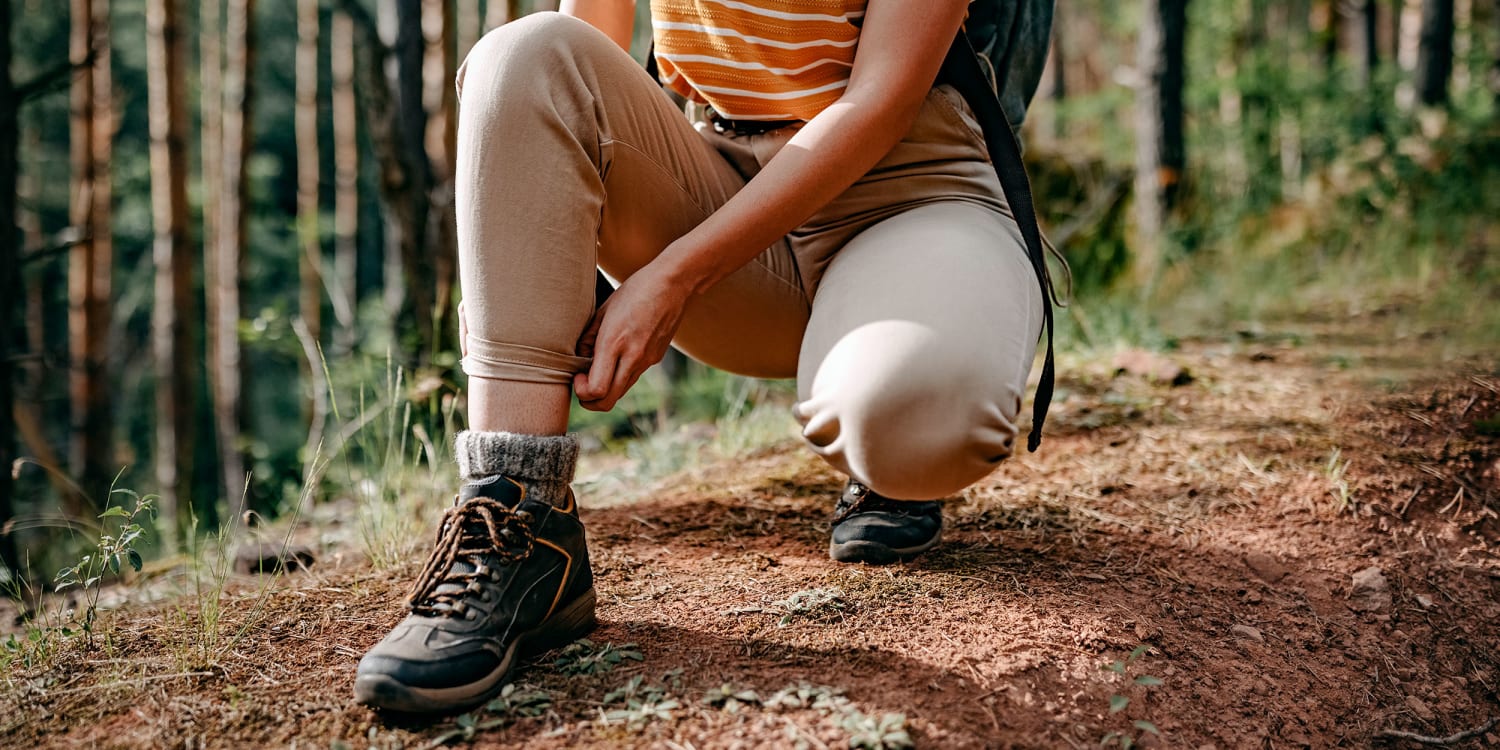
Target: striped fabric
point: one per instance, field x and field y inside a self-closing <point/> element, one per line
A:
<point x="757" y="59"/>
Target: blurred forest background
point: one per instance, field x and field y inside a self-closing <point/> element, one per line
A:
<point x="229" y="255"/>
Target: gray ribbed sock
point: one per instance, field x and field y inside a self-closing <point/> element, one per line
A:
<point x="544" y="464"/>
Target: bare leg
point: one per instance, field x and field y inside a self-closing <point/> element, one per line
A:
<point x="511" y="406"/>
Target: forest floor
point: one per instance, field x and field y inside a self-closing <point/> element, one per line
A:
<point x="1300" y="547"/>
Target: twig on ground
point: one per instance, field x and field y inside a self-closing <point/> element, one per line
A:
<point x="138" y="680"/>
<point x="1452" y="739"/>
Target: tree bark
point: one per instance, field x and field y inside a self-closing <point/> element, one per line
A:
<point x="228" y="367"/>
<point x="172" y="312"/>
<point x="310" y="264"/>
<point x="211" y="180"/>
<point x="1495" y="71"/>
<point x="91" y="261"/>
<point x="440" y="99"/>
<point x="405" y="176"/>
<point x="10" y="283"/>
<point x="1435" y="53"/>
<point x="1160" y="152"/>
<point x="1362" y="22"/>
<point x="470" y="26"/>
<point x="414" y="315"/>
<point x="501" y="12"/>
<point x="346" y="182"/>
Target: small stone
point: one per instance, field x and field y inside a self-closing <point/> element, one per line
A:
<point x="1245" y="631"/>
<point x="1425" y="601"/>
<point x="265" y="557"/>
<point x="1151" y="366"/>
<point x="1370" y="592"/>
<point x="1419" y="708"/>
<point x="1266" y="567"/>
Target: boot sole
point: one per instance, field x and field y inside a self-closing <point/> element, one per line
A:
<point x="573" y="621"/>
<point x="875" y="553"/>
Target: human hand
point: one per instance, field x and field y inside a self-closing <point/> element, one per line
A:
<point x="627" y="335"/>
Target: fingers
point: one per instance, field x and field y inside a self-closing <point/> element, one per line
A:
<point x="595" y="385"/>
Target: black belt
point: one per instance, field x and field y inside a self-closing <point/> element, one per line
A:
<point x="746" y="127"/>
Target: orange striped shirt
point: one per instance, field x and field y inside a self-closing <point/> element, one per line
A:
<point x="757" y="59"/>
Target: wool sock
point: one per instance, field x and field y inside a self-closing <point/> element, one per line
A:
<point x="544" y="464"/>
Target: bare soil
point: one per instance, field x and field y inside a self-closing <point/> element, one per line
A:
<point x="1227" y="526"/>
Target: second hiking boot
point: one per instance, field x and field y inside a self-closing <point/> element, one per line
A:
<point x="509" y="578"/>
<point x="869" y="528"/>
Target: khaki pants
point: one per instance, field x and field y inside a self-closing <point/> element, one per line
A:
<point x="906" y="308"/>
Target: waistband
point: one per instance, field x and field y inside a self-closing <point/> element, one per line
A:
<point x="723" y="124"/>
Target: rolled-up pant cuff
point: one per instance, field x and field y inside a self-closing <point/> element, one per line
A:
<point x="514" y="362"/>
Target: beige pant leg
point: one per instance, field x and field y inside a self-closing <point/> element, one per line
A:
<point x="570" y="156"/>
<point x="915" y="361"/>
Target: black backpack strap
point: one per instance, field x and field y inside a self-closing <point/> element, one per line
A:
<point x="963" y="70"/>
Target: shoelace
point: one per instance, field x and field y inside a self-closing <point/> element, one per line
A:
<point x="479" y="529"/>
<point x="866" y="501"/>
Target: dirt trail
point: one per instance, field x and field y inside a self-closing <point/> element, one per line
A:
<point x="1309" y="555"/>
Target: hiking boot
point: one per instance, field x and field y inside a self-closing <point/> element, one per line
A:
<point x="509" y="579"/>
<point x="869" y="528"/>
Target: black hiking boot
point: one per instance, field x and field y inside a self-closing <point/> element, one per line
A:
<point x="509" y="579"/>
<point x="872" y="529"/>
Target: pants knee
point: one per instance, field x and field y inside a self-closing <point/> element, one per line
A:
<point x="534" y="44"/>
<point x="912" y="441"/>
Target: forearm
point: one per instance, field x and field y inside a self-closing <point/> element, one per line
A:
<point x="616" y="18"/>
<point x="901" y="48"/>
<point x="833" y="150"/>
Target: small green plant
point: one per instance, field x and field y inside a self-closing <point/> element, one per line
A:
<point x="730" y="698"/>
<point x="803" y="695"/>
<point x="111" y="553"/>
<point x="816" y="605"/>
<point x="584" y="657"/>
<point x="1119" y="701"/>
<point x="888" y="732"/>
<point x="512" y="704"/>
<point x="639" y="703"/>
<point x="1339" y="487"/>
<point x="638" y="713"/>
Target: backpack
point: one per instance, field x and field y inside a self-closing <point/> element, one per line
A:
<point x="1006" y="41"/>
<point x="995" y="63"/>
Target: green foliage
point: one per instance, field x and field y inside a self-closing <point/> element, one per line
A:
<point x="1137" y="684"/>
<point x="639" y="704"/>
<point x="584" y="657"/>
<point x="512" y="704"/>
<point x="888" y="732"/>
<point x="114" y="550"/>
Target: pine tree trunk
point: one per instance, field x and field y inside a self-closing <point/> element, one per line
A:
<point x="346" y="182"/>
<point x="91" y="261"/>
<point x="501" y="12"/>
<point x="414" y="316"/>
<point x="1160" y="153"/>
<point x="211" y="181"/>
<point x="1362" y="21"/>
<point x="440" y="101"/>
<point x="228" y="368"/>
<point x="1495" y="71"/>
<point x="172" y="311"/>
<point x="1435" y="53"/>
<point x="392" y="106"/>
<point x="10" y="291"/>
<point x="470" y="26"/>
<point x="310" y="265"/>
